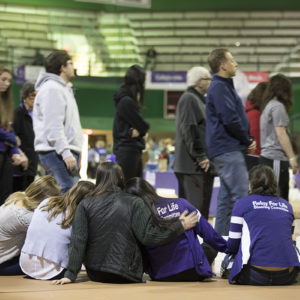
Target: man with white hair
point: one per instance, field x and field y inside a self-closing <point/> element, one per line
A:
<point x="191" y="164"/>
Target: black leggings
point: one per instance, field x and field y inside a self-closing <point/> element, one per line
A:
<point x="106" y="277"/>
<point x="6" y="172"/>
<point x="187" y="275"/>
<point x="281" y="170"/>
<point x="131" y="163"/>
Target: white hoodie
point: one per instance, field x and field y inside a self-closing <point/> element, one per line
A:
<point x="56" y="120"/>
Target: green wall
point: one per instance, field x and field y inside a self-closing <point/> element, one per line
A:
<point x="176" y="5"/>
<point x="96" y="106"/>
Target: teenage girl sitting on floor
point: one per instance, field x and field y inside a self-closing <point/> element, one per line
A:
<point x="45" y="251"/>
<point x="15" y="217"/>
<point x="183" y="259"/>
<point x="260" y="234"/>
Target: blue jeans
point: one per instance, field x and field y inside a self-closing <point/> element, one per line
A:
<point x="233" y="174"/>
<point x="11" y="267"/>
<point x="254" y="276"/>
<point x="55" y="166"/>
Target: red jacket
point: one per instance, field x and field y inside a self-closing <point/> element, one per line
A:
<point x="253" y="116"/>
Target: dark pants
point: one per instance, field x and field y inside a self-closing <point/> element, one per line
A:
<point x="60" y="275"/>
<point x="197" y="189"/>
<point x="131" y="163"/>
<point x="6" y="172"/>
<point x="209" y="252"/>
<point x="191" y="274"/>
<point x="106" y="277"/>
<point x="281" y="170"/>
<point x="254" y="276"/>
<point x="187" y="275"/>
<point x="11" y="267"/>
<point x="251" y="161"/>
<point x="20" y="183"/>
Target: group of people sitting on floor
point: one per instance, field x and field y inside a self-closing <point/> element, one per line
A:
<point x="120" y="231"/>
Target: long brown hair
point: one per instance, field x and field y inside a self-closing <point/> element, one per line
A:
<point x="256" y="95"/>
<point x="6" y="104"/>
<point x="279" y="87"/>
<point x="42" y="188"/>
<point x="109" y="177"/>
<point x="67" y="203"/>
<point x="141" y="188"/>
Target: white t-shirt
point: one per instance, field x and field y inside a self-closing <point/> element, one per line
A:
<point x="39" y="267"/>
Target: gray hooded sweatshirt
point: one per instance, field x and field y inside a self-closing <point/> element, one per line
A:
<point x="56" y="120"/>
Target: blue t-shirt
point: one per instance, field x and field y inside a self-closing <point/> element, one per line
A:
<point x="260" y="234"/>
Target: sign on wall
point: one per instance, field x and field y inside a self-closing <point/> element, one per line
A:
<point x="174" y="83"/>
<point x="133" y="3"/>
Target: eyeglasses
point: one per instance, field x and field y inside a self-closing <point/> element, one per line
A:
<point x="31" y="96"/>
<point x="205" y="78"/>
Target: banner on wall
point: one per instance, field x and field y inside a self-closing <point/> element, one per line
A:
<point x="133" y="3"/>
<point x="174" y="83"/>
<point x="256" y="77"/>
<point x="27" y="73"/>
<point x="176" y="80"/>
<point x="166" y="80"/>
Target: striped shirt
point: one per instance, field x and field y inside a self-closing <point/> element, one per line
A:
<point x="261" y="229"/>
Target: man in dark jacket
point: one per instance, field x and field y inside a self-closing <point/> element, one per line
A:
<point x="24" y="130"/>
<point x="191" y="164"/>
<point x="227" y="136"/>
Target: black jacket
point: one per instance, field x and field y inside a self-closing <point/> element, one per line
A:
<point x="190" y="148"/>
<point x="128" y="116"/>
<point x="106" y="232"/>
<point x="23" y="129"/>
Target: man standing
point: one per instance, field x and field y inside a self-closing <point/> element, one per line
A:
<point x="56" y="123"/>
<point x="191" y="164"/>
<point x="227" y="136"/>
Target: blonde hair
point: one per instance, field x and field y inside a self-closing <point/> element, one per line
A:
<point x="67" y="203"/>
<point x="42" y="188"/>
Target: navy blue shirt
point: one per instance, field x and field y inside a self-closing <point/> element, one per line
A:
<point x="227" y="126"/>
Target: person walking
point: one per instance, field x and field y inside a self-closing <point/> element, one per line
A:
<point x="58" y="133"/>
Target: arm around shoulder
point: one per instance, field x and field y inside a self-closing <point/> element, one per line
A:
<point x="148" y="233"/>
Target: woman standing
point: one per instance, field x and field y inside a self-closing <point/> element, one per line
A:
<point x="276" y="147"/>
<point x="129" y="126"/>
<point x="253" y="104"/>
<point x="24" y="130"/>
<point x="9" y="151"/>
